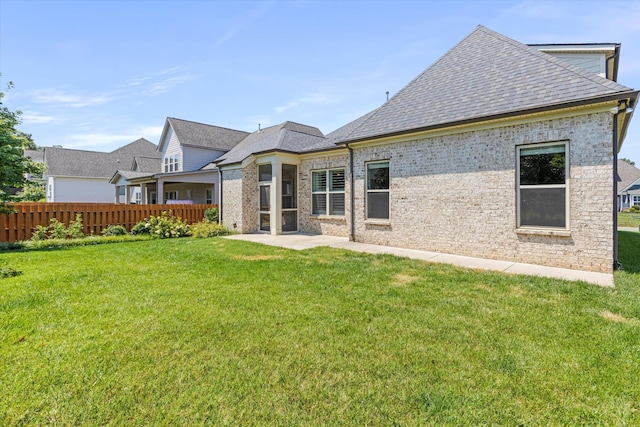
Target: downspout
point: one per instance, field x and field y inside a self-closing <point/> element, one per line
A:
<point x="616" y="264"/>
<point x="352" y="212"/>
<point x="219" y="196"/>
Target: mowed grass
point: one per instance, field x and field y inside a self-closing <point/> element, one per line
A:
<point x="222" y="332"/>
<point x="628" y="219"/>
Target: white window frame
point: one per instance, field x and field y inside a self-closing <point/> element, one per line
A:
<point x="635" y="200"/>
<point x="208" y="196"/>
<point x="565" y="186"/>
<point x="368" y="191"/>
<point x="171" y="163"/>
<point x="327" y="192"/>
<point x="171" y="195"/>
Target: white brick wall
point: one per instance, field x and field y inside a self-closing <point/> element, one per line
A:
<point x="457" y="194"/>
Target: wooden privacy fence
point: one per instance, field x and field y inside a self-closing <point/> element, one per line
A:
<point x="95" y="216"/>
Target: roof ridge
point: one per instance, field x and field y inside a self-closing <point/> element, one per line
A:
<point x="551" y="59"/>
<point x="377" y="110"/>
<point x="206" y="124"/>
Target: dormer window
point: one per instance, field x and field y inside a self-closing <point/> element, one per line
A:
<point x="171" y="163"/>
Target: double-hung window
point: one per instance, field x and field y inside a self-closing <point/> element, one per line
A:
<point x="327" y="192"/>
<point x="378" y="190"/>
<point x="542" y="193"/>
<point x="171" y="163"/>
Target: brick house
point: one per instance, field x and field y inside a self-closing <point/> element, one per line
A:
<point x="498" y="150"/>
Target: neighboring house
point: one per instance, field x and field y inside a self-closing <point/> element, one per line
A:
<point x="628" y="185"/>
<point x="498" y="150"/>
<point x="83" y="176"/>
<point x="185" y="172"/>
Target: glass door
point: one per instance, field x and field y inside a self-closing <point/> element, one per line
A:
<point x="289" y="198"/>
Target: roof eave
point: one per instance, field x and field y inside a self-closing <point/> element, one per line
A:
<point x="632" y="95"/>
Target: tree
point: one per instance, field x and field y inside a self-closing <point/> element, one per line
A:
<point x="14" y="164"/>
<point x="628" y="161"/>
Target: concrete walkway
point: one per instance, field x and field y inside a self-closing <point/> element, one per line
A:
<point x="307" y="241"/>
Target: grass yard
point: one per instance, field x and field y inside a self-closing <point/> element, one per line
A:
<point x="213" y="331"/>
<point x="628" y="219"/>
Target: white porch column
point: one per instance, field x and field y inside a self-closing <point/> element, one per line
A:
<point x="144" y="198"/>
<point x="127" y="194"/>
<point x="276" y="197"/>
<point x="160" y="192"/>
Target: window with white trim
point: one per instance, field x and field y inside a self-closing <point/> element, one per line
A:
<point x="636" y="200"/>
<point x="209" y="196"/>
<point x="171" y="163"/>
<point x="328" y="192"/>
<point x="378" y="190"/>
<point x="170" y="195"/>
<point x="542" y="194"/>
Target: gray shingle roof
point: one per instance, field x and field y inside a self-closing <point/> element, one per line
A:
<point x="94" y="164"/>
<point x="288" y="136"/>
<point x="202" y="135"/>
<point x="148" y="163"/>
<point x="35" y="155"/>
<point x="627" y="175"/>
<point x="485" y="75"/>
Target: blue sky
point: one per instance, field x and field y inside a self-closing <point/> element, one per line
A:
<point x="96" y="75"/>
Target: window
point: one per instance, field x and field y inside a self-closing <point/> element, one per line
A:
<point x="378" y="190"/>
<point x="170" y="195"/>
<point x="636" y="200"/>
<point x="138" y="197"/>
<point x="264" y="184"/>
<point x="171" y="163"/>
<point x="542" y="185"/>
<point x="327" y="192"/>
<point x="289" y="197"/>
<point x="209" y="196"/>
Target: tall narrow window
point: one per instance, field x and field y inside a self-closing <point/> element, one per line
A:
<point x="378" y="190"/>
<point x="264" y="184"/>
<point x="542" y="185"/>
<point x="209" y="196"/>
<point x="289" y="197"/>
<point x="327" y="192"/>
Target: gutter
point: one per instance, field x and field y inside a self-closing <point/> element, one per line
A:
<point x="631" y="94"/>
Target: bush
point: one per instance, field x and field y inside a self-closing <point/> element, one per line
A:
<point x="209" y="229"/>
<point x="57" y="230"/>
<point x="164" y="226"/>
<point x="211" y="215"/>
<point x="114" y="230"/>
<point x="6" y="271"/>
<point x="635" y="209"/>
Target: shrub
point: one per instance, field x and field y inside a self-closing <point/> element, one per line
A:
<point x="209" y="229"/>
<point x="635" y="209"/>
<point x="76" y="229"/>
<point x="211" y="215"/>
<point x="57" y="230"/>
<point x="6" y="271"/>
<point x="164" y="226"/>
<point x="114" y="230"/>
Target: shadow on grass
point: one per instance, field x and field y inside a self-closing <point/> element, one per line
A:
<point x="629" y="251"/>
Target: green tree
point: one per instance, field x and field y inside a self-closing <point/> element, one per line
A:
<point x="632" y="163"/>
<point x="14" y="164"/>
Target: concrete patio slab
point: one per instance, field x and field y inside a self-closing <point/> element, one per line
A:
<point x="301" y="241"/>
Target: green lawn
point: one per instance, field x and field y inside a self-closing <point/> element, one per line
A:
<point x="213" y="331"/>
<point x="628" y="219"/>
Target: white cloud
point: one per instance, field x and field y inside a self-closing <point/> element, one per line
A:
<point x="158" y="83"/>
<point x="314" y="98"/>
<point x="52" y="96"/>
<point x="30" y="117"/>
<point x="105" y="141"/>
<point x="243" y="22"/>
